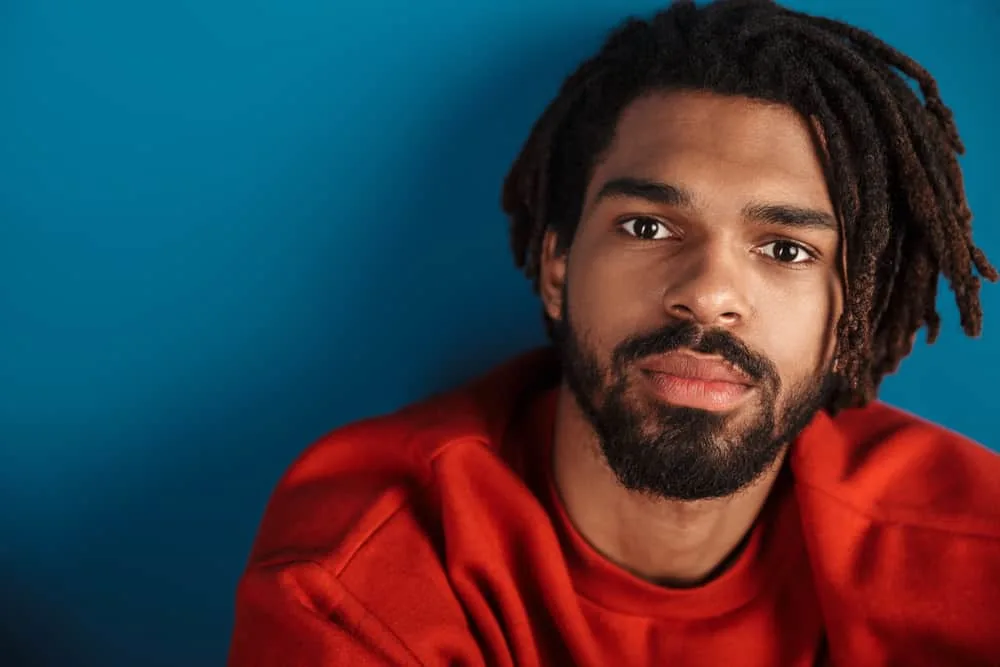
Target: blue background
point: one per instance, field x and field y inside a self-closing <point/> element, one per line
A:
<point x="229" y="227"/>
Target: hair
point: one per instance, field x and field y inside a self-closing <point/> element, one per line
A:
<point x="891" y="159"/>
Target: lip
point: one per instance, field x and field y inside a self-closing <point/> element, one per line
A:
<point x="686" y="380"/>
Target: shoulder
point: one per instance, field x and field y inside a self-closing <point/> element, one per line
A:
<point x="895" y="466"/>
<point x="347" y="486"/>
<point x="383" y="472"/>
<point x="901" y="519"/>
<point x="349" y="537"/>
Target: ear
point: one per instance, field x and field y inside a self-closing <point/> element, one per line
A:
<point x="552" y="275"/>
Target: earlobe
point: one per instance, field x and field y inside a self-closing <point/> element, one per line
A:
<point x="552" y="275"/>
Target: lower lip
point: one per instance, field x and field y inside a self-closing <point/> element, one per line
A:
<point x="695" y="393"/>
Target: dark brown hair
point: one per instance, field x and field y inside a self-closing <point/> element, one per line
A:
<point x="893" y="170"/>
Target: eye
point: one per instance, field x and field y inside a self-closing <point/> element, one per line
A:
<point x="646" y="228"/>
<point x="787" y="252"/>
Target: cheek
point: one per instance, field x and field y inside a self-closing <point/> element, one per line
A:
<point x="609" y="299"/>
<point x="800" y="331"/>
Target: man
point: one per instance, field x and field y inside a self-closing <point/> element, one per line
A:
<point x="735" y="216"/>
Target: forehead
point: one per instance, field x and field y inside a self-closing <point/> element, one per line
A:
<point x="712" y="144"/>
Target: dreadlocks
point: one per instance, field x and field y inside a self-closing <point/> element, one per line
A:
<point x="891" y="159"/>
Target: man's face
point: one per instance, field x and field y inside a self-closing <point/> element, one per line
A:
<point x="696" y="306"/>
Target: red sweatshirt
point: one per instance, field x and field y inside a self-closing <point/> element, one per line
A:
<point x="434" y="536"/>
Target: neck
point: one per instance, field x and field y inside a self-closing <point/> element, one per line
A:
<point x="670" y="542"/>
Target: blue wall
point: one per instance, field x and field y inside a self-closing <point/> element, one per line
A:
<point x="228" y="227"/>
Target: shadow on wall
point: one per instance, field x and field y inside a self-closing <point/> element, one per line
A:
<point x="38" y="632"/>
<point x="442" y="291"/>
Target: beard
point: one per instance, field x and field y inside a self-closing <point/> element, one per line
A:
<point x="678" y="452"/>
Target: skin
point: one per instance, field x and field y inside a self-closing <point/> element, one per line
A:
<point x="712" y="259"/>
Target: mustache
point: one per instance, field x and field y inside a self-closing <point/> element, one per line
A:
<point x="691" y="336"/>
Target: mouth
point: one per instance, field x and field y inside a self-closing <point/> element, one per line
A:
<point x="706" y="383"/>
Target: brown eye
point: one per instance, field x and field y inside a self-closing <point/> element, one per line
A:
<point x="787" y="252"/>
<point x="648" y="229"/>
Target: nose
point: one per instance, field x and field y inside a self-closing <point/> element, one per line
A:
<point x="710" y="289"/>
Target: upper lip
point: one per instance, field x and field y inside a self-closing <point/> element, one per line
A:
<point x="685" y="365"/>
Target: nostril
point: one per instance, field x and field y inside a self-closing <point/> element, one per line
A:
<point x="681" y="311"/>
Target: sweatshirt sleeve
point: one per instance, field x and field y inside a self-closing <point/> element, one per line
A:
<point x="299" y="615"/>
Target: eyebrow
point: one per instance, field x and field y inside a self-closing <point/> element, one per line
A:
<point x="674" y="195"/>
<point x="790" y="216"/>
<point x="651" y="191"/>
